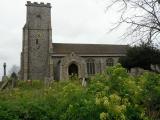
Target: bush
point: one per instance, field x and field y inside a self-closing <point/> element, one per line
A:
<point x="112" y="95"/>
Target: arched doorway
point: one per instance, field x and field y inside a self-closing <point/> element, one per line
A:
<point x="73" y="70"/>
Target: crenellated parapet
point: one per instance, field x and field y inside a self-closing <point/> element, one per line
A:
<point x="41" y="4"/>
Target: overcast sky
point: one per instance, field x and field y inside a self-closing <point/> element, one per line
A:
<point x="73" y="21"/>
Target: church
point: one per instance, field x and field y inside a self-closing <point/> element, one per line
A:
<point x="40" y="58"/>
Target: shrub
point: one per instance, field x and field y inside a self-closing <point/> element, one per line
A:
<point x="112" y="95"/>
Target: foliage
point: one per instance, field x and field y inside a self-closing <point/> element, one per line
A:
<point x="112" y="95"/>
<point x="14" y="76"/>
<point x="143" y="56"/>
<point x="14" y="69"/>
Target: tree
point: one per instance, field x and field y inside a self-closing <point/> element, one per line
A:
<point x="142" y="16"/>
<point x="14" y="69"/>
<point x="14" y="76"/>
<point x="142" y="56"/>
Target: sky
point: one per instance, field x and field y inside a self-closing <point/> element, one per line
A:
<point x="73" y="21"/>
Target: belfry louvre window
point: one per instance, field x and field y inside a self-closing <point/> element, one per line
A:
<point x="109" y="62"/>
<point x="90" y="67"/>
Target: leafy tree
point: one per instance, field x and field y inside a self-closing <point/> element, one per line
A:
<point x="143" y="56"/>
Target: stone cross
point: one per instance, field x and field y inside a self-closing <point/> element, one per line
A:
<point x="4" y="66"/>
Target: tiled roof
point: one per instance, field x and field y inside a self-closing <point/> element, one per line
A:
<point x="67" y="48"/>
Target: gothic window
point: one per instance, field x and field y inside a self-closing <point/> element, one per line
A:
<point x="90" y="67"/>
<point x="109" y="62"/>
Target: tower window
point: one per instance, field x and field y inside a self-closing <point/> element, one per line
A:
<point x="109" y="62"/>
<point x="36" y="41"/>
<point x="38" y="16"/>
<point x="90" y="67"/>
<point x="37" y="44"/>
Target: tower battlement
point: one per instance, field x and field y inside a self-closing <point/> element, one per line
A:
<point x="41" y="4"/>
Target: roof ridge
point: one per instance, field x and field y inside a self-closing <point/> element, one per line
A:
<point x="89" y="44"/>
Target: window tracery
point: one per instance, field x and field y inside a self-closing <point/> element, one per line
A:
<point x="109" y="62"/>
<point x="90" y="67"/>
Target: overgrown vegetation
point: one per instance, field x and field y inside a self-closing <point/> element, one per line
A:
<point x="113" y="95"/>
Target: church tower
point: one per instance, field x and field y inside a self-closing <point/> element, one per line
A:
<point x="37" y="42"/>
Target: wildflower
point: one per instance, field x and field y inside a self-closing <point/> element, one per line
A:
<point x="106" y="102"/>
<point x="122" y="117"/>
<point x="103" y="116"/>
<point x="123" y="107"/>
<point x="115" y="98"/>
<point x="117" y="109"/>
<point x="98" y="101"/>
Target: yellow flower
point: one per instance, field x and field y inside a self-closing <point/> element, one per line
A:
<point x="125" y="101"/>
<point x="122" y="117"/>
<point x="123" y="107"/>
<point x="115" y="98"/>
<point x="106" y="102"/>
<point x="98" y="101"/>
<point x="117" y="109"/>
<point x="103" y="116"/>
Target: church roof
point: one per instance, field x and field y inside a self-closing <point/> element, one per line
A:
<point x="67" y="48"/>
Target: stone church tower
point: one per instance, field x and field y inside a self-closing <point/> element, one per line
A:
<point x="37" y="42"/>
